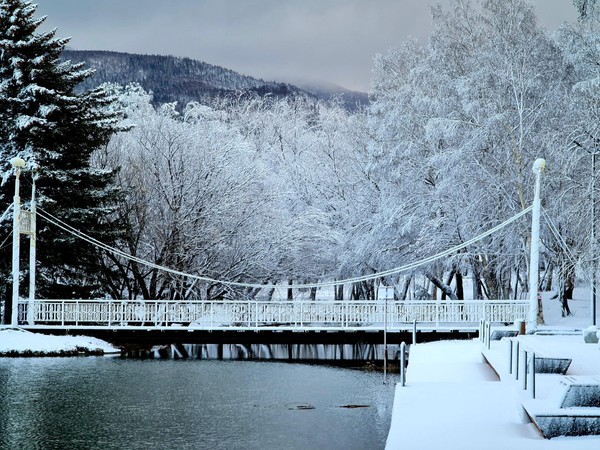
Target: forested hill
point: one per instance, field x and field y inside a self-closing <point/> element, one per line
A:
<point x="183" y="80"/>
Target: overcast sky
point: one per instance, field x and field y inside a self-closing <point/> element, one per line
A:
<point x="282" y="40"/>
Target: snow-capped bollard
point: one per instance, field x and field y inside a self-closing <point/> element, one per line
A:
<point x="590" y="334"/>
<point x="520" y="326"/>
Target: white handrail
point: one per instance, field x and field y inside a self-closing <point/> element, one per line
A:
<point x="297" y="315"/>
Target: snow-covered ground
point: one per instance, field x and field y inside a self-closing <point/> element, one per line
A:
<point x="452" y="399"/>
<point x="20" y="342"/>
<point x="580" y="308"/>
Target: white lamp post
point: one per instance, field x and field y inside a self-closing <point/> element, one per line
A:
<point x="593" y="242"/>
<point x="385" y="349"/>
<point x="18" y="164"/>
<point x="534" y="261"/>
<point x="32" y="253"/>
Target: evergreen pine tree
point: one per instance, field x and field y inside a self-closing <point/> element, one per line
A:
<point x="55" y="130"/>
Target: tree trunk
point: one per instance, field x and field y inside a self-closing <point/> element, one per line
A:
<point x="448" y="281"/>
<point x="405" y="288"/>
<point x="437" y="282"/>
<point x="339" y="292"/>
<point x="270" y="294"/>
<point x="460" y="293"/>
<point x="549" y="275"/>
<point x="477" y="292"/>
<point x="492" y="287"/>
<point x="567" y="293"/>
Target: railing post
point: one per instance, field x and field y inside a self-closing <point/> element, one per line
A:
<point x="516" y="360"/>
<point x="510" y="357"/>
<point x="256" y="314"/>
<point x="532" y="375"/>
<point x="414" y="332"/>
<point x="482" y="331"/>
<point x="403" y="364"/>
<point x="485" y="330"/>
<point x="523" y="364"/>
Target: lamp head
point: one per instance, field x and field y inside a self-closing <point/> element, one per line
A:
<point x="539" y="165"/>
<point x="17" y="163"/>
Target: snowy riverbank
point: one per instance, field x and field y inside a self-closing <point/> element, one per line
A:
<point x="453" y="399"/>
<point x="17" y="342"/>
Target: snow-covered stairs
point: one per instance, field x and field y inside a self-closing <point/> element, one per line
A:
<point x="564" y="405"/>
<point x="576" y="410"/>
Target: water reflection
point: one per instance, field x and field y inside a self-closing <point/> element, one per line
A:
<point x="115" y="403"/>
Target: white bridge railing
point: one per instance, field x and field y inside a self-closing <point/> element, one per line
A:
<point x="274" y="315"/>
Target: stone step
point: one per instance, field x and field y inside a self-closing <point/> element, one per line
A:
<point x="568" y="422"/>
<point x="572" y="410"/>
<point x="581" y="392"/>
<point x="545" y="364"/>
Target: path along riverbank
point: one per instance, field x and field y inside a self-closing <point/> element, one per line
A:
<point x="454" y="399"/>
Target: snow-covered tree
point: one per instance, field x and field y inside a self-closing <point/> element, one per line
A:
<point x="457" y="125"/>
<point x="55" y="130"/>
<point x="193" y="201"/>
<point x="249" y="190"/>
<point x="587" y="10"/>
<point x="315" y="163"/>
<point x="579" y="137"/>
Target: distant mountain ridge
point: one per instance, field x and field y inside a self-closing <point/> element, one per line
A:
<point x="352" y="100"/>
<point x="182" y="80"/>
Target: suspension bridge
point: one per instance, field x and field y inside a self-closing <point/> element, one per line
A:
<point x="329" y="320"/>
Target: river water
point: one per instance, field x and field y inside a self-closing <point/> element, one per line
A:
<point x="114" y="403"/>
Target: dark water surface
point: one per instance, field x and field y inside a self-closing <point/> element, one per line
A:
<point x="113" y="403"/>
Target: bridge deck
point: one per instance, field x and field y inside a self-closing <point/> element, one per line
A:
<point x="260" y="316"/>
<point x="146" y="323"/>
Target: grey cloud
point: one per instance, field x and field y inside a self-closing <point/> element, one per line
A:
<point x="333" y="40"/>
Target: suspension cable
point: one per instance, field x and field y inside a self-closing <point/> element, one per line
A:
<point x="81" y="235"/>
<point x="6" y="212"/>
